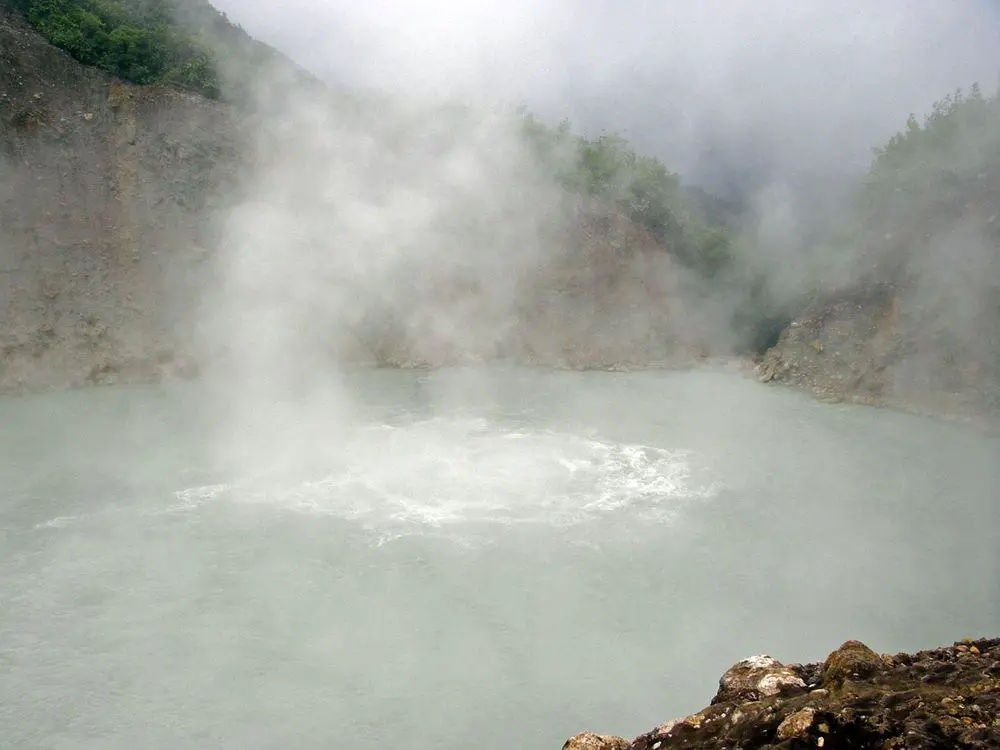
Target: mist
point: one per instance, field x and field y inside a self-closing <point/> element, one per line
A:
<point x="405" y="220"/>
<point x="419" y="234"/>
<point x="725" y="92"/>
<point x="431" y="426"/>
<point x="388" y="235"/>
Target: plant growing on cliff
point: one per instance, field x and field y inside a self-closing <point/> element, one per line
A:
<point x="608" y="168"/>
<point x="140" y="41"/>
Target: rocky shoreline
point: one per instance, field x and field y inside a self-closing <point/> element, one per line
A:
<point x="871" y="347"/>
<point x="940" y="698"/>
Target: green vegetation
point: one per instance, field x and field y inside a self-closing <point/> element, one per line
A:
<point x="608" y="168"/>
<point x="931" y="173"/>
<point x="958" y="138"/>
<point x="136" y="40"/>
<point x="172" y="41"/>
<point x="933" y="177"/>
<point x="922" y="183"/>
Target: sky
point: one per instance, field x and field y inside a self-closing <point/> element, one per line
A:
<point x="715" y="87"/>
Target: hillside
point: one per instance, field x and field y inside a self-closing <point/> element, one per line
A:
<point x="122" y="246"/>
<point x="137" y="160"/>
<point x="102" y="193"/>
<point x="913" y="319"/>
<point x="185" y="43"/>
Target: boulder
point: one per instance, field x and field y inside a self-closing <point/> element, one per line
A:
<point x="591" y="741"/>
<point x="756" y="678"/>
<point x="852" y="661"/>
<point x="796" y="725"/>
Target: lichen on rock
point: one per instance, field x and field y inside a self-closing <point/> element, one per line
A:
<point x="591" y="741"/>
<point x="757" y="677"/>
<point x="853" y="660"/>
<point x="797" y="724"/>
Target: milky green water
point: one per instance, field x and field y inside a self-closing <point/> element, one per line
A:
<point x="457" y="559"/>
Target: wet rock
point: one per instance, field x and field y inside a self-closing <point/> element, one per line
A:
<point x="796" y="725"/>
<point x="755" y="678"/>
<point x="871" y="702"/>
<point x="591" y="741"/>
<point x="852" y="661"/>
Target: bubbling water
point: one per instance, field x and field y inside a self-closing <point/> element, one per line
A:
<point x="446" y="472"/>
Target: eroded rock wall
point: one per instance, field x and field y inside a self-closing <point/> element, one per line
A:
<point x="106" y="190"/>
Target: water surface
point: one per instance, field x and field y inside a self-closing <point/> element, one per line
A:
<point x="461" y="558"/>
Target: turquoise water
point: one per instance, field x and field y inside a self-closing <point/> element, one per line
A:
<point x="488" y="558"/>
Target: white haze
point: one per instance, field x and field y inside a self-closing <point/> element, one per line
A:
<point x="723" y="85"/>
<point x="781" y="99"/>
<point x="410" y="232"/>
<point x="411" y="235"/>
<point x="388" y="232"/>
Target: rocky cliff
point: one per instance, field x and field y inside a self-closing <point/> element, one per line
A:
<point x="148" y="232"/>
<point x="104" y="193"/>
<point x="125" y="253"/>
<point x="875" y="345"/>
<point x="936" y="699"/>
<point x="912" y="319"/>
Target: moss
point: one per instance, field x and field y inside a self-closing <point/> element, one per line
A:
<point x="853" y="660"/>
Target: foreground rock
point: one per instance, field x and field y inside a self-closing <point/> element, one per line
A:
<point x="591" y="741"/>
<point x="942" y="698"/>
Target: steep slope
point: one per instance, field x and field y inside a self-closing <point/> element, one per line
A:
<point x="917" y="324"/>
<point x="103" y="190"/>
<point x="187" y="43"/>
<point x="392" y="234"/>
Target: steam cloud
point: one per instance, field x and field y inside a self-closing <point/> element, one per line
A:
<point x="360" y="223"/>
<point x="712" y="87"/>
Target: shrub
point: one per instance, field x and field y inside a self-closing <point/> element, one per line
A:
<point x="140" y="41"/>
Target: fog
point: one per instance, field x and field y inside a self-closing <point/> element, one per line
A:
<point x="411" y="224"/>
<point x="301" y="549"/>
<point x="726" y="92"/>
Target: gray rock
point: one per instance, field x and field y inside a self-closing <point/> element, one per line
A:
<point x="755" y="678"/>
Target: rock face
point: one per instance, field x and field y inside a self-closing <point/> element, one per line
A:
<point x="603" y="294"/>
<point x="941" y="698"/>
<point x="924" y="337"/>
<point x="124" y="208"/>
<point x="104" y="190"/>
